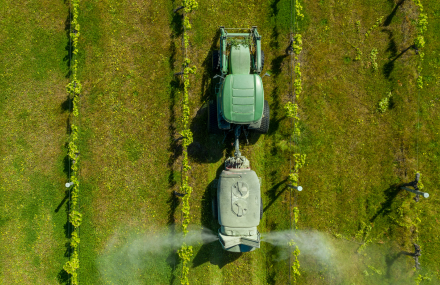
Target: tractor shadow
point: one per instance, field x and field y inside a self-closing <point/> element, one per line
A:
<point x="209" y="148"/>
<point x="212" y="252"/>
<point x="206" y="148"/>
<point x="208" y="84"/>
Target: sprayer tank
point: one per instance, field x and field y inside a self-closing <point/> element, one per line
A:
<point x="239" y="201"/>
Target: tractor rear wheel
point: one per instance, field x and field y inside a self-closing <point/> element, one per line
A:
<point x="265" y="121"/>
<point x="215" y="61"/>
<point x="212" y="118"/>
<point x="214" y="208"/>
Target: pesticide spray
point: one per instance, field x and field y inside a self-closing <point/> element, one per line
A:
<point x="148" y="257"/>
<point x="340" y="260"/>
<point x="311" y="243"/>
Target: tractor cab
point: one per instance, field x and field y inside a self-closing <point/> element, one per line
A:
<point x="240" y="92"/>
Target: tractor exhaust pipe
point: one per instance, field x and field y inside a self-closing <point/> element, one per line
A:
<point x="237" y="143"/>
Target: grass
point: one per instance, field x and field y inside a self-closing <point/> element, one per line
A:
<point x="125" y="116"/>
<point x="356" y="156"/>
<point x="32" y="137"/>
<point x="130" y="152"/>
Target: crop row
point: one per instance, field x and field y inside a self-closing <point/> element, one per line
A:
<point x="186" y="252"/>
<point x="419" y="42"/>
<point x="74" y="89"/>
<point x="292" y="113"/>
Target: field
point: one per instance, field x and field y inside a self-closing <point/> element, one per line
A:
<point x="356" y="226"/>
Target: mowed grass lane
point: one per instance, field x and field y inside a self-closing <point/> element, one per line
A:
<point x="125" y="139"/>
<point x="358" y="157"/>
<point x="211" y="263"/>
<point x="33" y="115"/>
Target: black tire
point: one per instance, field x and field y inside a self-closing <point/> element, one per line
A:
<point x="261" y="208"/>
<point x="262" y="60"/>
<point x="212" y="118"/>
<point x="265" y="121"/>
<point x="215" y="61"/>
<point x="214" y="208"/>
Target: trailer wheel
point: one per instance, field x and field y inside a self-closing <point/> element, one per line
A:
<point x="265" y="121"/>
<point x="215" y="61"/>
<point x="214" y="208"/>
<point x="261" y="208"/>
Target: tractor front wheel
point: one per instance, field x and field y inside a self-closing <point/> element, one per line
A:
<point x="215" y="61"/>
<point x="262" y="60"/>
<point x="212" y="118"/>
<point x="265" y="121"/>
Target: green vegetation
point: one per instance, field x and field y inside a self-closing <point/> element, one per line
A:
<point x="33" y="115"/>
<point x="375" y="26"/>
<point x="74" y="90"/>
<point x="185" y="252"/>
<point x="385" y="103"/>
<point x="129" y="125"/>
<point x="373" y="57"/>
<point x="296" y="251"/>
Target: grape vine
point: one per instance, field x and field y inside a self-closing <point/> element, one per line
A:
<point x="373" y="57"/>
<point x="377" y="24"/>
<point x="295" y="265"/>
<point x="74" y="89"/>
<point x="185" y="252"/>
<point x="291" y="109"/>
<point x="419" y="41"/>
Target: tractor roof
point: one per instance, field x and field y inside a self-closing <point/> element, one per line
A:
<point x="240" y="59"/>
<point x="242" y="98"/>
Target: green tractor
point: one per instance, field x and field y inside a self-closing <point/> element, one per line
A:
<point x="239" y="107"/>
<point x="239" y="94"/>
